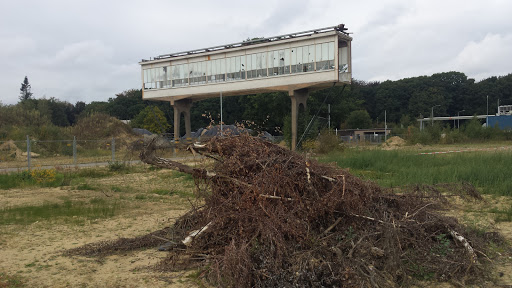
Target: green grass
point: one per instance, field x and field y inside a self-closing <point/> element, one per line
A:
<point x="502" y="215"/>
<point x="84" y="186"/>
<point x="10" y="281"/>
<point x="182" y="176"/>
<point x="70" y="211"/>
<point x="170" y="192"/>
<point x="23" y="179"/>
<point x="489" y="171"/>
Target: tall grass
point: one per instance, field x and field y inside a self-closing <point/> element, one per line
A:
<point x="488" y="171"/>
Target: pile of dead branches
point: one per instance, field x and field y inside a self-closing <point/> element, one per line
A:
<point x="272" y="218"/>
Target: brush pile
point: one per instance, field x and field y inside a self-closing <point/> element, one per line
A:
<point x="272" y="218"/>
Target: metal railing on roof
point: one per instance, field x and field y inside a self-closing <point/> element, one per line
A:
<point x="340" y="28"/>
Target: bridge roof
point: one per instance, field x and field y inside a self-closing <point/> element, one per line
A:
<point x="338" y="28"/>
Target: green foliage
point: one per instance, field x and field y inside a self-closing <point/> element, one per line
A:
<point x="10" y="281"/>
<point x="328" y="142"/>
<point x="443" y="248"/>
<point x="151" y="119"/>
<point x="116" y="166"/>
<point x="303" y="119"/>
<point x="99" y="126"/>
<point x="359" y="119"/>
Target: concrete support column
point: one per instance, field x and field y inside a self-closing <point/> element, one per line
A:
<point x="182" y="107"/>
<point x="298" y="97"/>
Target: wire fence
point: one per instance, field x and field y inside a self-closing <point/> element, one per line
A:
<point x="30" y="153"/>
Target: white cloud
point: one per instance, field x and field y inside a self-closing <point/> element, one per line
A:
<point x="79" y="55"/>
<point x="489" y="57"/>
<point x="89" y="49"/>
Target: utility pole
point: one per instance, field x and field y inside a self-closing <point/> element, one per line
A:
<point x="432" y="114"/>
<point x="221" y="114"/>
<point x="329" y="116"/>
<point x="458" y="119"/>
<point x="487" y="114"/>
<point x="385" y="127"/>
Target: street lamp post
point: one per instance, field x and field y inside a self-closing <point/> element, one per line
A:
<point x="487" y="114"/>
<point x="458" y="119"/>
<point x="432" y="114"/>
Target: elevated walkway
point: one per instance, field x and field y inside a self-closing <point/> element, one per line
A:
<point x="296" y="63"/>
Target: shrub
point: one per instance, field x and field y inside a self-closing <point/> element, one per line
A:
<point x="328" y="142"/>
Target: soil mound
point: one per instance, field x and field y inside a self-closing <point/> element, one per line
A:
<point x="9" y="150"/>
<point x="394" y="142"/>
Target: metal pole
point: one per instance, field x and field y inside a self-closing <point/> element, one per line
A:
<point x="28" y="153"/>
<point x="458" y="118"/>
<point x="385" y="126"/>
<point x="221" y="114"/>
<point x="74" y="150"/>
<point x="487" y="114"/>
<point x="432" y="116"/>
<point x="113" y="145"/>
<point x="329" y="117"/>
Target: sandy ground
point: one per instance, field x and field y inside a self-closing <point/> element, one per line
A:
<point x="34" y="252"/>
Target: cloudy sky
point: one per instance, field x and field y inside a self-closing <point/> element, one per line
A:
<point x="88" y="50"/>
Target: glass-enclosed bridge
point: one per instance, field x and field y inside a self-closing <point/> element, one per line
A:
<point x="297" y="63"/>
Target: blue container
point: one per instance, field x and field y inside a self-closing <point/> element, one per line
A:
<point x="504" y="122"/>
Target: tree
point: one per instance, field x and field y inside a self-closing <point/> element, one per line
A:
<point x="25" y="93"/>
<point x="359" y="119"/>
<point x="151" y="119"/>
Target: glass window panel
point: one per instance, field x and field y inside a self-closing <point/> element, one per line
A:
<point x="249" y="62"/>
<point x="325" y="51"/>
<point x="238" y="67"/>
<point x="191" y="72"/>
<point x="151" y="78"/>
<point x="185" y="74"/>
<point x="293" y="59"/>
<point x="203" y="72"/>
<point x="286" y="61"/>
<point x="305" y="56"/>
<point x="318" y="52"/>
<point x="263" y="71"/>
<point x="273" y="63"/>
<point x="331" y="51"/>
<point x="281" y="62"/>
<point x="311" y="54"/>
<point x="209" y="70"/>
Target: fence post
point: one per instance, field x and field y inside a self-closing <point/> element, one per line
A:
<point x="113" y="145"/>
<point x="74" y="150"/>
<point x="28" y="153"/>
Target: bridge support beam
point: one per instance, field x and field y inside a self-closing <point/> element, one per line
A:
<point x="298" y="97"/>
<point x="182" y="107"/>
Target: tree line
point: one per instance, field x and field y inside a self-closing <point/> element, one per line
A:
<point x="358" y="105"/>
